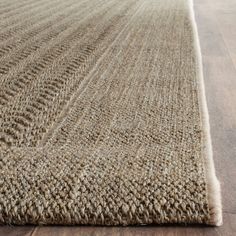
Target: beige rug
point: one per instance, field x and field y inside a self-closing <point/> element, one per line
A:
<point x="103" y="114"/>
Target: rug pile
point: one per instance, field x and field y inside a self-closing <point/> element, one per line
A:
<point x="103" y="117"/>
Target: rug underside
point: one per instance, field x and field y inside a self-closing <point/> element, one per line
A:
<point x="103" y="115"/>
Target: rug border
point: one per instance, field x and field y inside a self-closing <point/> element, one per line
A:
<point x="213" y="185"/>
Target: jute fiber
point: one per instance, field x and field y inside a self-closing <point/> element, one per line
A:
<point x="103" y="115"/>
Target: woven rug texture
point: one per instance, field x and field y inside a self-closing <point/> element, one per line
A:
<point x="103" y="118"/>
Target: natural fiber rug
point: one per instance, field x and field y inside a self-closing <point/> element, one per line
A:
<point x="103" y="114"/>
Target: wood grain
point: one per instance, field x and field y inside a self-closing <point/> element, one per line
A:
<point x="216" y="24"/>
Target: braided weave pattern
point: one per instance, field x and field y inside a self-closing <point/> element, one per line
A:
<point x="100" y="120"/>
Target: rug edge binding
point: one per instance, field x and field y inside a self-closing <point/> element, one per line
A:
<point x="213" y="184"/>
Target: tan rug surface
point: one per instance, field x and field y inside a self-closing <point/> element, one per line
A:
<point x="103" y="114"/>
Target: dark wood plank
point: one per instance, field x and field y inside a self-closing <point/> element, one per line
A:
<point x="220" y="83"/>
<point x="16" y="230"/>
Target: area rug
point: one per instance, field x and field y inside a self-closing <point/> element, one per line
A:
<point x="103" y="114"/>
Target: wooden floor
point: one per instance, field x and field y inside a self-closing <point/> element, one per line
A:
<point x="216" y="20"/>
